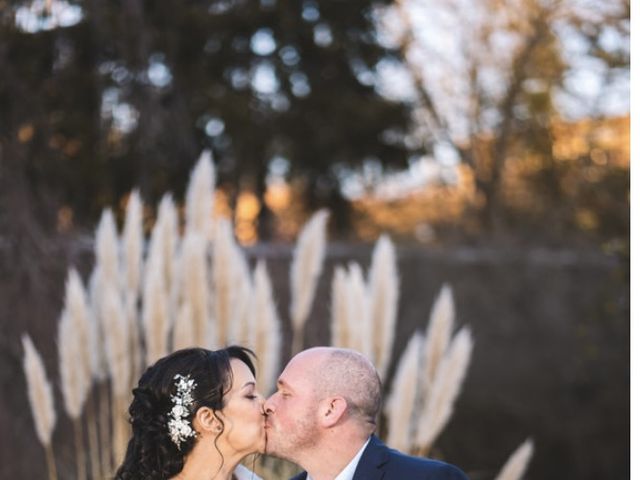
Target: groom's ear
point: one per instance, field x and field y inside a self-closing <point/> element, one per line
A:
<point x="332" y="409"/>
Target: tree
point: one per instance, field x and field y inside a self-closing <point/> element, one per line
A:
<point x="513" y="72"/>
<point x="132" y="92"/>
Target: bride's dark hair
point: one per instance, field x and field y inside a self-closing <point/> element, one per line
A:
<point x="151" y="454"/>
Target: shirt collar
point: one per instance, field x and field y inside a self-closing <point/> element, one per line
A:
<point x="348" y="471"/>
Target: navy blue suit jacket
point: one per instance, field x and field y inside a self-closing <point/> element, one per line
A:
<point x="381" y="462"/>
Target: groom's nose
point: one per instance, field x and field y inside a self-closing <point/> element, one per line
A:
<point x="268" y="405"/>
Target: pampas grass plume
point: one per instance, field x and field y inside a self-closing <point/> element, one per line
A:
<point x="159" y="298"/>
<point x="184" y="334"/>
<point x="200" y="198"/>
<point x="107" y="287"/>
<point x="223" y="267"/>
<point x="400" y="406"/>
<point x="98" y="363"/>
<point x="107" y="257"/>
<point x="242" y="319"/>
<point x="447" y="383"/>
<point x="74" y="374"/>
<point x="116" y="337"/>
<point x="438" y="332"/>
<point x="132" y="243"/>
<point x="76" y="304"/>
<point x="232" y="286"/>
<point x="40" y="392"/>
<point x="195" y="285"/>
<point x="383" y="294"/>
<point x="75" y="366"/>
<point x="340" y="308"/>
<point x="305" y="270"/>
<point x="155" y="317"/>
<point x="360" y="328"/>
<point x="75" y="382"/>
<point x="166" y="231"/>
<point x="267" y="335"/>
<point x="517" y="463"/>
<point x="131" y="247"/>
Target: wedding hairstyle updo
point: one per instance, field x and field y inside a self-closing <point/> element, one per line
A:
<point x="151" y="453"/>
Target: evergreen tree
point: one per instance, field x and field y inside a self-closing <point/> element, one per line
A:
<point x="133" y="91"/>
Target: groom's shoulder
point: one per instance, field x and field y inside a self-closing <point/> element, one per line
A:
<point x="300" y="476"/>
<point x="418" y="466"/>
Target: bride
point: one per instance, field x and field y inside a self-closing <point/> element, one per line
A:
<point x="195" y="415"/>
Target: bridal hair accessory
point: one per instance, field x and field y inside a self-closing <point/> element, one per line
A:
<point x="179" y="427"/>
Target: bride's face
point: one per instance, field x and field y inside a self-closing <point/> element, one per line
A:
<point x="243" y="413"/>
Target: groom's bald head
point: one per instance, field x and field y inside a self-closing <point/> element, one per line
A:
<point x="324" y="409"/>
<point x="348" y="373"/>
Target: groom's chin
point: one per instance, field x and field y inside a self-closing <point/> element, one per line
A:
<point x="269" y="448"/>
<point x="263" y="447"/>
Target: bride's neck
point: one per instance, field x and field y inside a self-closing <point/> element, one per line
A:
<point x="207" y="465"/>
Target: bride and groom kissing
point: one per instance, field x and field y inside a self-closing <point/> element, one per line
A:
<point x="196" y="415"/>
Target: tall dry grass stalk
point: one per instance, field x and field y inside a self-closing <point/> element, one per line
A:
<point x="195" y="288"/>
<point x="40" y="399"/>
<point x="305" y="270"/>
<point x="107" y="255"/>
<point x="107" y="281"/>
<point x="340" y="308"/>
<point x="165" y="237"/>
<point x="92" y="421"/>
<point x="116" y="337"/>
<point x="106" y="429"/>
<point x="99" y="370"/>
<point x="131" y="244"/>
<point x="77" y="308"/>
<point x="184" y="334"/>
<point x="444" y="391"/>
<point x="107" y="284"/>
<point x="76" y="304"/>
<point x="155" y="314"/>
<point x="75" y="377"/>
<point x="401" y="404"/>
<point x="227" y="278"/>
<point x="97" y="350"/>
<point x="243" y="323"/>
<point x="359" y="307"/>
<point x="517" y="463"/>
<point x="383" y="286"/>
<point x="438" y="334"/>
<point x="267" y="338"/>
<point x="160" y="295"/>
<point x="200" y="197"/>
<point x="75" y="383"/>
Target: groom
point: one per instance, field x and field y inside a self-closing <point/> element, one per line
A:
<point x="323" y="416"/>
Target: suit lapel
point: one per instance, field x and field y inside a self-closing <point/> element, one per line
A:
<point x="373" y="458"/>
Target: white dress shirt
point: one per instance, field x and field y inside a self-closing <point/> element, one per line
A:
<point x="243" y="473"/>
<point x="348" y="471"/>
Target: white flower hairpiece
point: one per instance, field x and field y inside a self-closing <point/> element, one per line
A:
<point x="179" y="427"/>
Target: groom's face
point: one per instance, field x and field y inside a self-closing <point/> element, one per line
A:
<point x="292" y="412"/>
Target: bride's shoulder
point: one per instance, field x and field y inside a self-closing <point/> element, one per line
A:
<point x="243" y="473"/>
